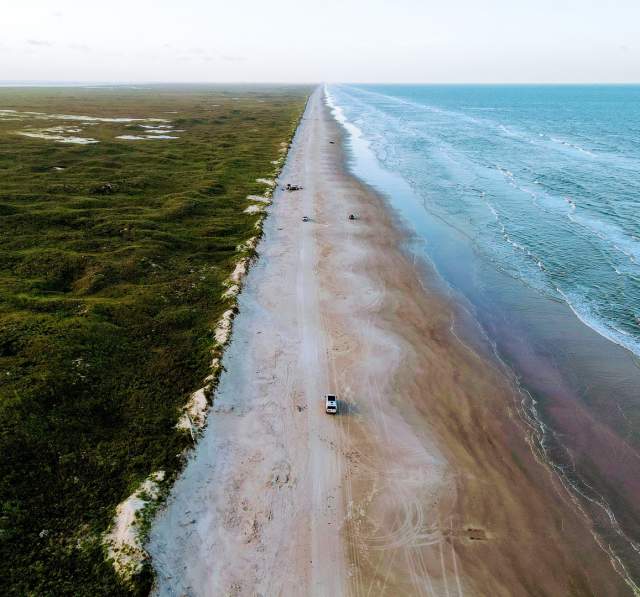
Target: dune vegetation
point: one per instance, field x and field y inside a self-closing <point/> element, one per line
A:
<point x="122" y="213"/>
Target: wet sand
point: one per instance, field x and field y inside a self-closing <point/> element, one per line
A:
<point x="424" y="484"/>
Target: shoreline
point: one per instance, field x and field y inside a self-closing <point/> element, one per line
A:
<point x="438" y="287"/>
<point x="423" y="483"/>
<point x="566" y="369"/>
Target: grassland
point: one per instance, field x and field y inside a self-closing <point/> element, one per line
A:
<point x="112" y="261"/>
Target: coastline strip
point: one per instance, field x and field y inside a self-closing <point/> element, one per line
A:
<point x="424" y="484"/>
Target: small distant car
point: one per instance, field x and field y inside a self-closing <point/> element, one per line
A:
<point x="331" y="404"/>
<point x="305" y="218"/>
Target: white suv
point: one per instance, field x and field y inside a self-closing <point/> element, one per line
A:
<point x="331" y="404"/>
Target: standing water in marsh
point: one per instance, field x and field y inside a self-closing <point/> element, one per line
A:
<point x="526" y="199"/>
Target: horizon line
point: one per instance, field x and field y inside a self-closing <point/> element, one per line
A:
<point x="71" y="82"/>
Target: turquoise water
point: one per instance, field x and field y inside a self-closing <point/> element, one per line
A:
<point x="526" y="200"/>
<point x="545" y="180"/>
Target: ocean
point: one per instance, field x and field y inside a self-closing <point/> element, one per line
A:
<point x="526" y="201"/>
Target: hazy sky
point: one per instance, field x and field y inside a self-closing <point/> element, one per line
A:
<point x="316" y="40"/>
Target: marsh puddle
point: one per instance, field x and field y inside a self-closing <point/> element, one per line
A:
<point x="59" y="138"/>
<point x="145" y="137"/>
<point x="158" y="128"/>
<point x="155" y="131"/>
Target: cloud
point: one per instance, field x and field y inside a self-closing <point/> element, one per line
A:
<point x="229" y="58"/>
<point x="79" y="47"/>
<point x="57" y="13"/>
<point x="40" y="42"/>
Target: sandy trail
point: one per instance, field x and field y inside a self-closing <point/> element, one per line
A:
<point x="259" y="508"/>
<point x="424" y="484"/>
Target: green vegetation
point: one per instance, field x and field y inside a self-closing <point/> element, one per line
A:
<point x="112" y="262"/>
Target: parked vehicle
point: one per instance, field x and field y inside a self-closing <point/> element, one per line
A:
<point x="331" y="404"/>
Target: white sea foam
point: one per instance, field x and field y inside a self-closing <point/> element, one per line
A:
<point x="613" y="235"/>
<point x="573" y="146"/>
<point x="585" y="312"/>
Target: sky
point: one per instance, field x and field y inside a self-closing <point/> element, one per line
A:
<point x="422" y="41"/>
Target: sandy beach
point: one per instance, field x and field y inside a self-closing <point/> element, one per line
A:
<point x="425" y="483"/>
